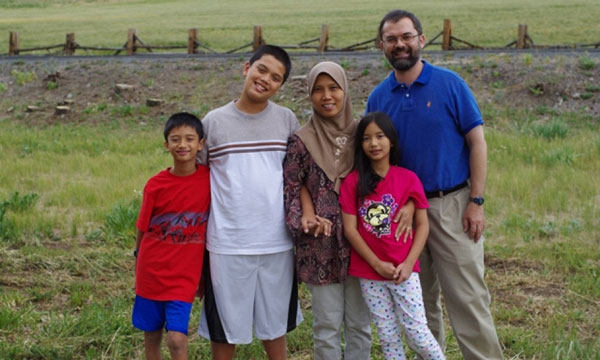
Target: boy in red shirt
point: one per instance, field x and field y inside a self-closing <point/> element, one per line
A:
<point x="171" y="240"/>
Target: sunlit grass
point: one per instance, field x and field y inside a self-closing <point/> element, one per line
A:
<point x="78" y="171"/>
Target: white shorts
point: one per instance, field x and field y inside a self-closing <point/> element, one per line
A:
<point x="246" y="292"/>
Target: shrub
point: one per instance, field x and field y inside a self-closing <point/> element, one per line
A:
<point x="119" y="224"/>
<point x="586" y="63"/>
<point x="7" y="228"/>
<point x="17" y="203"/>
<point x="555" y="129"/>
<point x="23" y="77"/>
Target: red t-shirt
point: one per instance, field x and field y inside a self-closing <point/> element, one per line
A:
<point x="375" y="215"/>
<point x="173" y="217"/>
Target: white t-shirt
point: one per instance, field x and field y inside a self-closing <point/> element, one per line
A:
<point x="245" y="155"/>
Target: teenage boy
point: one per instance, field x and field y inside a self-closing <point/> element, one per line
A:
<point x="440" y="130"/>
<point x="171" y="239"/>
<point x="250" y="282"/>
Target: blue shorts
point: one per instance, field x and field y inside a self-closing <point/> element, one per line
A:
<point x="151" y="315"/>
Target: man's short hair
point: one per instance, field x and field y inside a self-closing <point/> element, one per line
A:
<point x="397" y="15"/>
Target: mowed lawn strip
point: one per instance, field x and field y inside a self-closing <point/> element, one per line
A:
<point x="227" y="25"/>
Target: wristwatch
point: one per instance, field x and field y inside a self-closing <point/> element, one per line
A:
<point x="478" y="200"/>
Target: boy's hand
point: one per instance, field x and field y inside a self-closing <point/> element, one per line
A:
<point x="402" y="272"/>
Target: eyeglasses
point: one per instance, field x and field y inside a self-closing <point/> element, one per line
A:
<point x="405" y="38"/>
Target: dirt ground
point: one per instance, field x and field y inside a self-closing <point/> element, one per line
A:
<point x="563" y="81"/>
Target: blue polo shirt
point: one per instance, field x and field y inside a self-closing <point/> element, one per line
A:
<point x="432" y="117"/>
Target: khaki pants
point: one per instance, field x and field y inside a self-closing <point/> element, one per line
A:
<point x="332" y="306"/>
<point x="453" y="263"/>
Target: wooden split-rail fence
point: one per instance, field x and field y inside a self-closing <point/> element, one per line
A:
<point x="445" y="39"/>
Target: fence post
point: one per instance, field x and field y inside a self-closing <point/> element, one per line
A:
<point x="258" y="39"/>
<point x="131" y="46"/>
<point x="13" y="44"/>
<point x="522" y="37"/>
<point x="192" y="40"/>
<point x="70" y="44"/>
<point x="447" y="33"/>
<point x="324" y="38"/>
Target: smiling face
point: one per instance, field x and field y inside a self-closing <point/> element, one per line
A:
<point x="376" y="144"/>
<point x="401" y="43"/>
<point x="327" y="96"/>
<point x="263" y="78"/>
<point x="184" y="143"/>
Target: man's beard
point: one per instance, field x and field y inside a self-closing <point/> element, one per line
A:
<point x="404" y="64"/>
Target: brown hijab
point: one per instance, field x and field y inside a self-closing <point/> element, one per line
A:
<point x="330" y="140"/>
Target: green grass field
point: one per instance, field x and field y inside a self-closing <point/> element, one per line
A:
<point x="227" y="25"/>
<point x="70" y="192"/>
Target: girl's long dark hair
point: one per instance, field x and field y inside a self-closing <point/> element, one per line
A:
<point x="367" y="177"/>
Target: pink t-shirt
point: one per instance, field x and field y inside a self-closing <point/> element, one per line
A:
<point x="375" y="215"/>
<point x="173" y="217"/>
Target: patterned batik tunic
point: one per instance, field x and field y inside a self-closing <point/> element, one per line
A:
<point x="322" y="260"/>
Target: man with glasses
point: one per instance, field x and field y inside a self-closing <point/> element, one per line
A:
<point x="440" y="131"/>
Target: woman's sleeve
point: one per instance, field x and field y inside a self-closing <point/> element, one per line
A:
<point x="294" y="176"/>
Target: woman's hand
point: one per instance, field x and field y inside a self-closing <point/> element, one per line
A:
<point x="315" y="224"/>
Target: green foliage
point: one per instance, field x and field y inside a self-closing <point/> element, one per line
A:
<point x="586" y="63"/>
<point x="148" y="82"/>
<point x="21" y="203"/>
<point x="51" y="85"/>
<point x="562" y="155"/>
<point x="119" y="224"/>
<point x="3" y="87"/>
<point x="127" y="110"/>
<point x="18" y="204"/>
<point x="555" y="129"/>
<point x="94" y="108"/>
<point x="7" y="228"/>
<point x="592" y="88"/>
<point x="23" y="77"/>
<point x="536" y="90"/>
<point x="10" y="318"/>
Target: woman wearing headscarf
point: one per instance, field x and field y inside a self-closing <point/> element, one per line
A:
<point x="319" y="156"/>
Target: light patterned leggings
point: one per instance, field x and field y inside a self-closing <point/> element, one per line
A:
<point x="393" y="306"/>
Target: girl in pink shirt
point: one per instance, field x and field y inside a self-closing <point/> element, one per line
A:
<point x="370" y="197"/>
